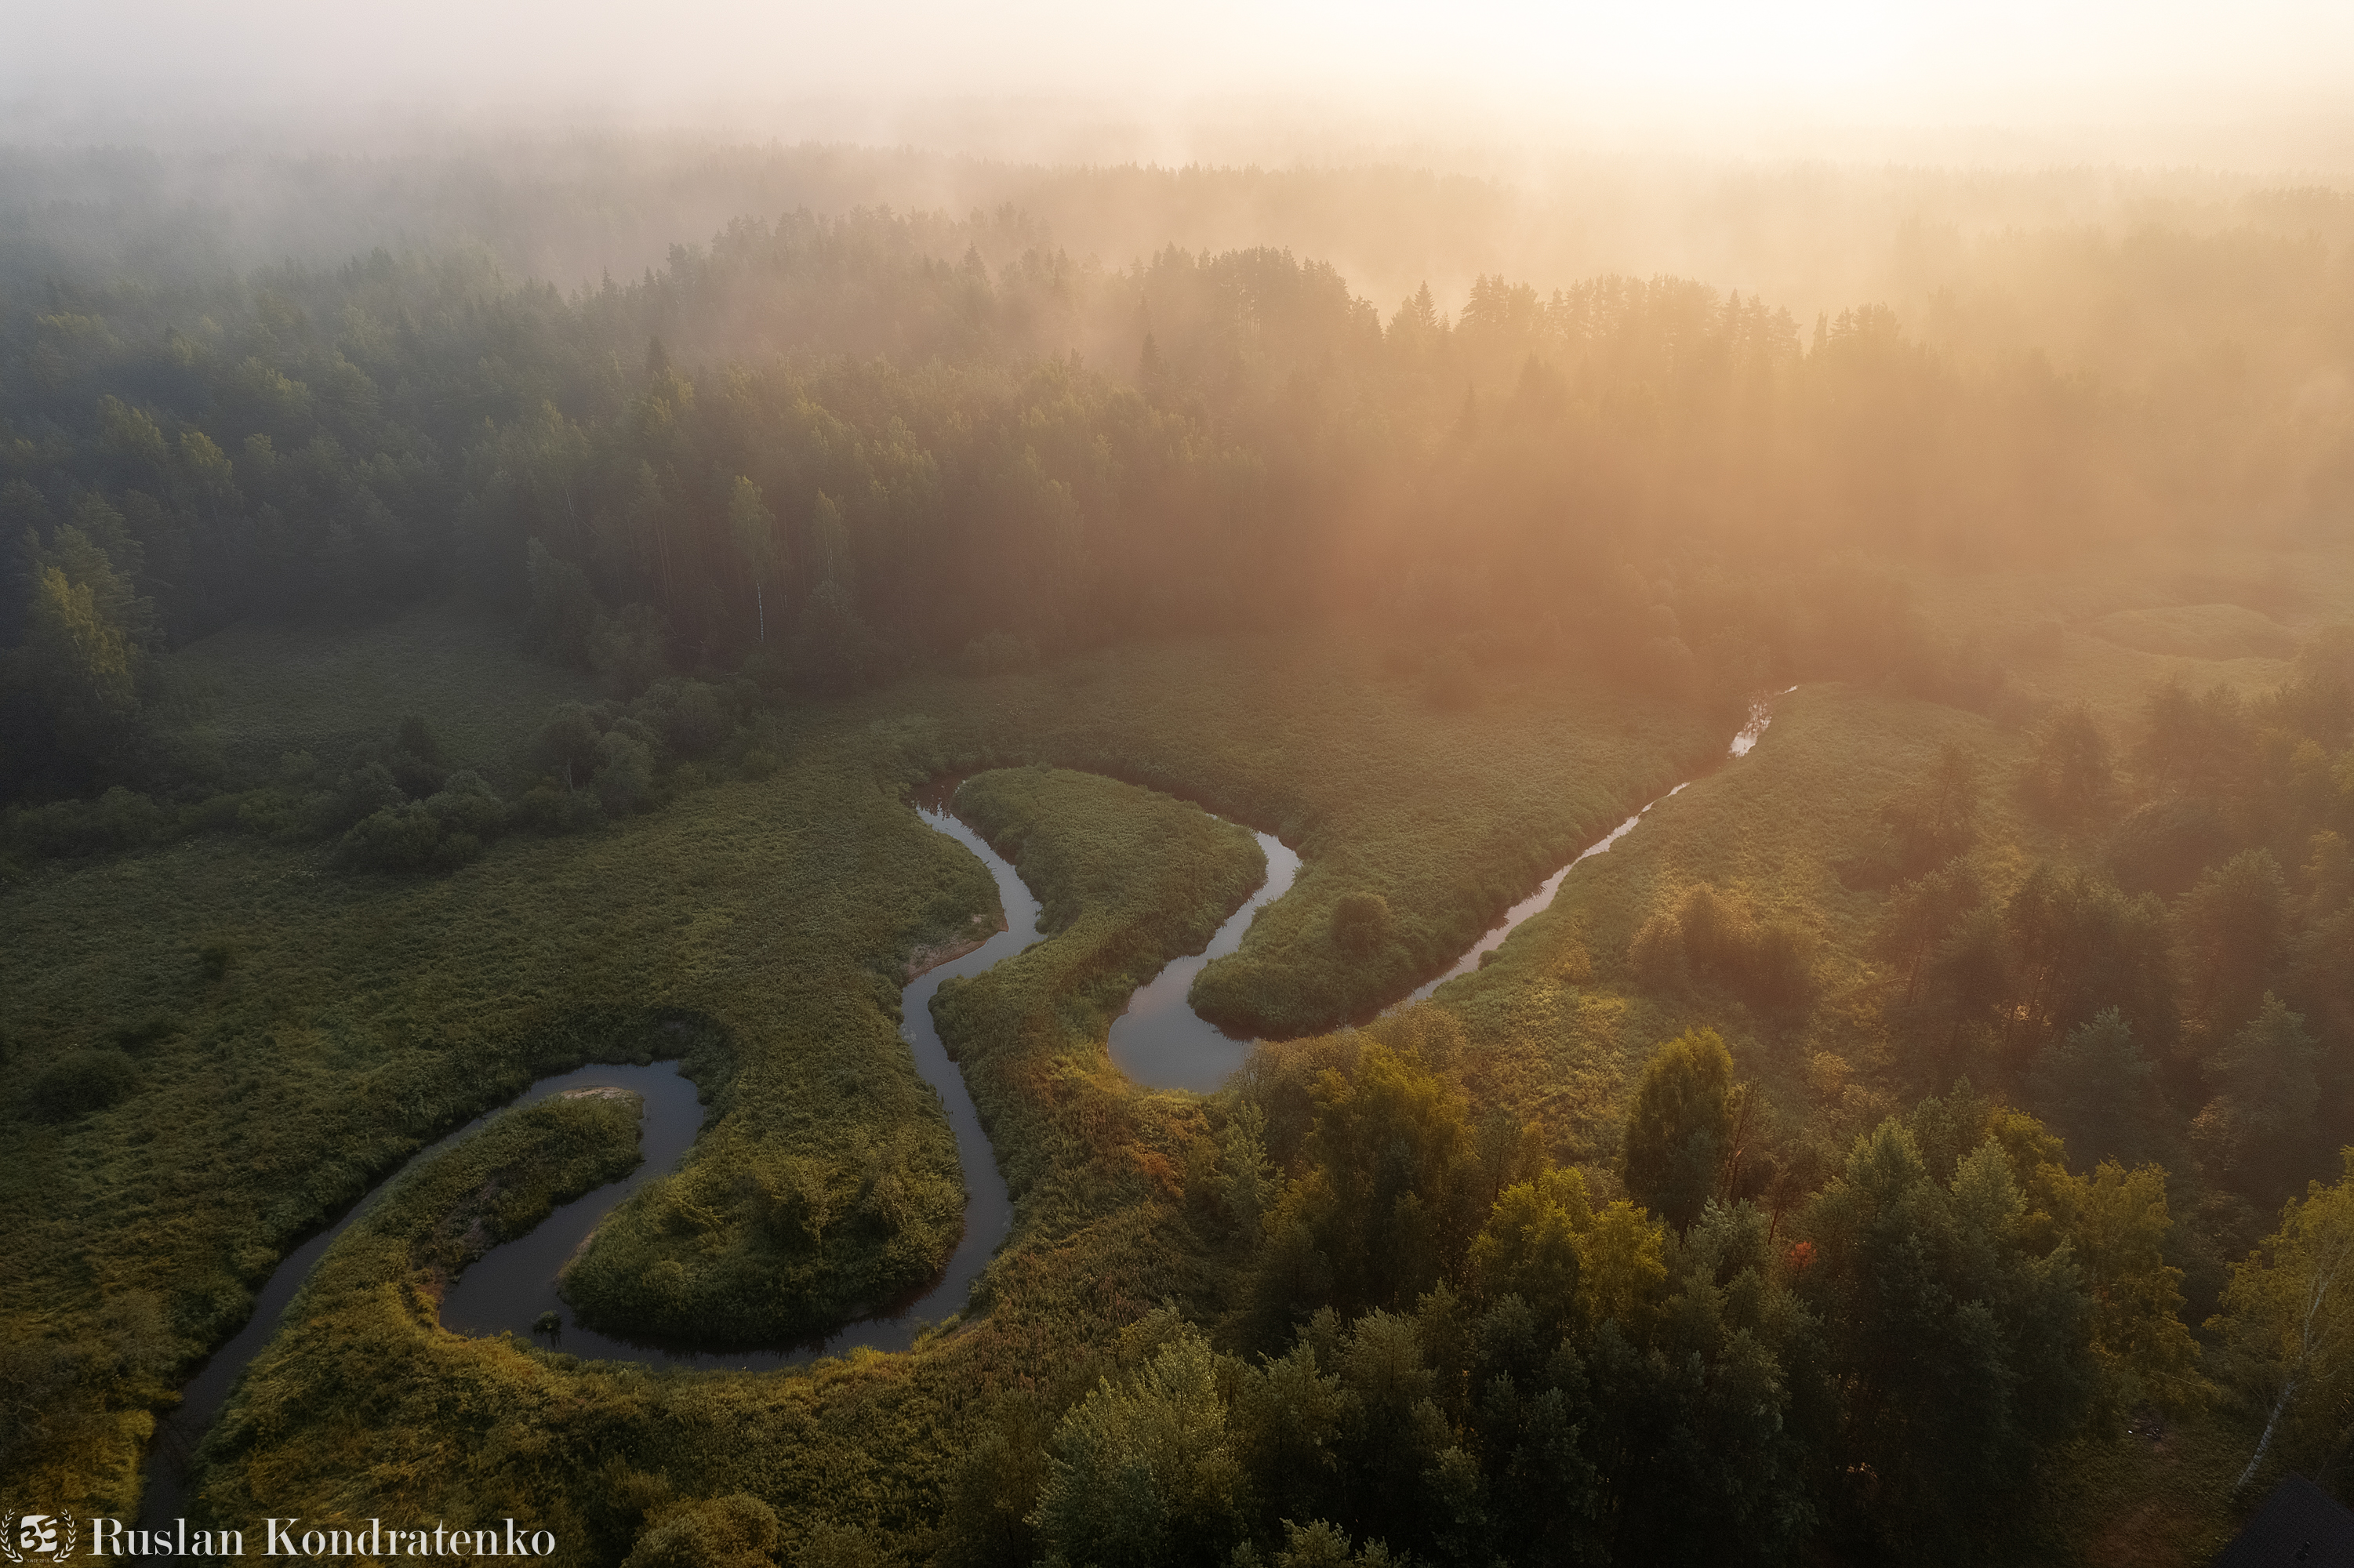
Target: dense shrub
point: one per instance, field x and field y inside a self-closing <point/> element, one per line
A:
<point x="366" y="789"/>
<point x="625" y="767"/>
<point x="1708" y="938"/>
<point x="467" y="805"/>
<point x="395" y="838"/>
<point x="565" y="746"/>
<point x="1362" y="922"/>
<point x="735" y="1532"/>
<point x="120" y="818"/>
<point x="687" y="714"/>
<point x="550" y="810"/>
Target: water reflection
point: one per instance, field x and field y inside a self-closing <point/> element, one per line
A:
<point x="1160" y="1041"/>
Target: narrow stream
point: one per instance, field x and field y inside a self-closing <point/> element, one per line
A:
<point x="1744" y="741"/>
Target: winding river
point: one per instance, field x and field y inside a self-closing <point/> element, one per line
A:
<point x="510" y="1286"/>
<point x="1158" y="1041"/>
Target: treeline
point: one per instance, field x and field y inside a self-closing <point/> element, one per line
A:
<point x="1446" y="1348"/>
<point x="397" y="803"/>
<point x="836" y="446"/>
<point x="2187" y="967"/>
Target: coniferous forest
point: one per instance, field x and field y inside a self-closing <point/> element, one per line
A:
<point x="466" y="621"/>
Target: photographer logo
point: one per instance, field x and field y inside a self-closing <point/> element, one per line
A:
<point x="37" y="1537"/>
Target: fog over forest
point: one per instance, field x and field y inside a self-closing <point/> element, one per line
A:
<point x="1274" y="787"/>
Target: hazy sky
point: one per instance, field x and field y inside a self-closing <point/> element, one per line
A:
<point x="1636" y="64"/>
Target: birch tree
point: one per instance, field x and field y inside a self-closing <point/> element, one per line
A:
<point x="755" y="530"/>
<point x="2288" y="1324"/>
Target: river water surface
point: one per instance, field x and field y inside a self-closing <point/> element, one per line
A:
<point x="1161" y="1041"/>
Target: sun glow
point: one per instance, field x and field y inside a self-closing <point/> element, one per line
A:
<point x="1410" y="66"/>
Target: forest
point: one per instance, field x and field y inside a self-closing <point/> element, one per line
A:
<point x="1928" y="1138"/>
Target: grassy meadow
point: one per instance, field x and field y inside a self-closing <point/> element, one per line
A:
<point x="308" y="1030"/>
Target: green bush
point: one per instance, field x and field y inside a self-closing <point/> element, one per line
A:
<point x="358" y="794"/>
<point x="687" y="714"/>
<point x="736" y="1531"/>
<point x="120" y="818"/>
<point x="1711" y="937"/>
<point x="214" y="813"/>
<point x="1362" y="922"/>
<point x="271" y="813"/>
<point x="467" y="805"/>
<point x="564" y="748"/>
<point x="552" y="810"/>
<point x="625" y="770"/>
<point x="401" y="839"/>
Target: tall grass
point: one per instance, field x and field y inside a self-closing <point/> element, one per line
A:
<point x="363" y="1364"/>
